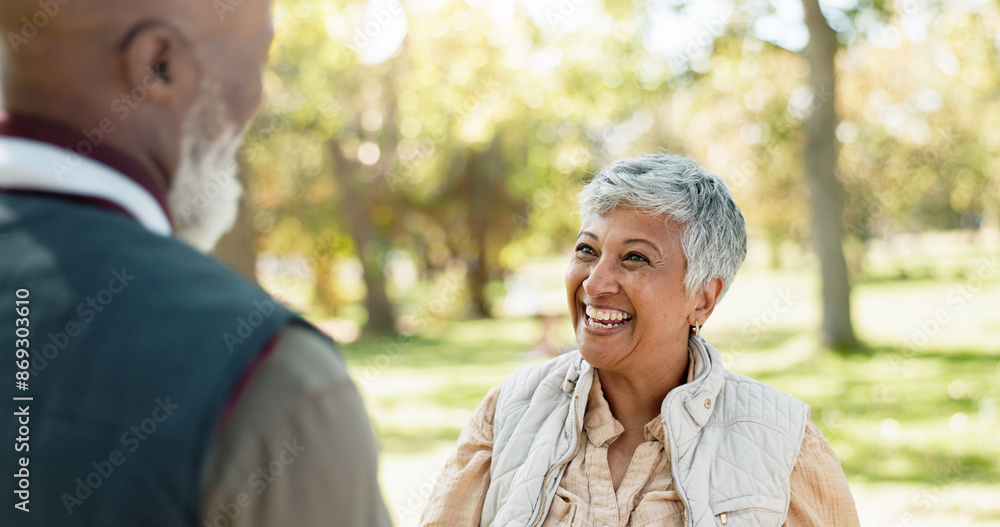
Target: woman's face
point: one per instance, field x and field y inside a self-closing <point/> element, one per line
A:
<point x="626" y="291"/>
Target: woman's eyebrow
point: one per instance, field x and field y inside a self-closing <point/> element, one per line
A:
<point x="588" y="234"/>
<point x="645" y="242"/>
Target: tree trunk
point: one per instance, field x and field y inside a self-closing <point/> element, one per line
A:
<point x="326" y="283"/>
<point x="825" y="190"/>
<point x="355" y="204"/>
<point x="236" y="247"/>
<point x="485" y="172"/>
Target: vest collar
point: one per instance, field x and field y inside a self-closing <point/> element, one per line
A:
<point x="701" y="394"/>
<point x="40" y="156"/>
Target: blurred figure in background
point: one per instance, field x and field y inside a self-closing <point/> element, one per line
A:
<point x="161" y="388"/>
<point x="528" y="295"/>
<point x="643" y="425"/>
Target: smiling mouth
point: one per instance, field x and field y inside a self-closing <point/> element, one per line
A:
<point x="606" y="318"/>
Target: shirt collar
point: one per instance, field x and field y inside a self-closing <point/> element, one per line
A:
<point x="602" y="427"/>
<point x="34" y="154"/>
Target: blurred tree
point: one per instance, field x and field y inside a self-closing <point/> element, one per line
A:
<point x="448" y="139"/>
<point x="364" y="191"/>
<point x="826" y="193"/>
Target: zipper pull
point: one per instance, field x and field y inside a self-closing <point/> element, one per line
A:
<point x="570" y="383"/>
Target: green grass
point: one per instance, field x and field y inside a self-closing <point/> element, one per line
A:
<point x="892" y="420"/>
<point x="421" y="390"/>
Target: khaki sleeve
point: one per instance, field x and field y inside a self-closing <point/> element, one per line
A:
<point x="820" y="495"/>
<point x="457" y="500"/>
<point x="299" y="448"/>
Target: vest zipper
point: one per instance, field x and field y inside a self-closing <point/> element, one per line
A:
<point x="545" y="482"/>
<point x="673" y="472"/>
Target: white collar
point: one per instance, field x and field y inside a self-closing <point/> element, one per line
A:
<point x="32" y="165"/>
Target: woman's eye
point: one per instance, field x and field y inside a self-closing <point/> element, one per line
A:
<point x="586" y="249"/>
<point x="636" y="257"/>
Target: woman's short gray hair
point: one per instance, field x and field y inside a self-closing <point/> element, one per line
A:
<point x="713" y="235"/>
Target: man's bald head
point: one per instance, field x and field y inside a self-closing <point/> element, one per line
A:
<point x="47" y="38"/>
<point x="46" y="29"/>
<point x="167" y="74"/>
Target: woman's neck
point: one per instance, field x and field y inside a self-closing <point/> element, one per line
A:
<point x="636" y="398"/>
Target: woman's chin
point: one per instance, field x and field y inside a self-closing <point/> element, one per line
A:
<point x="602" y="355"/>
<point x="604" y="344"/>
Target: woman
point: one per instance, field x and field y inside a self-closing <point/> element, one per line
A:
<point x="644" y="426"/>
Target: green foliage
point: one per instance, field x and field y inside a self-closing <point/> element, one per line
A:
<point x="464" y="149"/>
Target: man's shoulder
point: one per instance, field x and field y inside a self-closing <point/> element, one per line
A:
<point x="82" y="247"/>
<point x="309" y="359"/>
<point x="67" y="224"/>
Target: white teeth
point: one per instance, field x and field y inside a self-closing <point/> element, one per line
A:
<point x="614" y="317"/>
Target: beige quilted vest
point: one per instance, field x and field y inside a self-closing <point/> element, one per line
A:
<point x="733" y="442"/>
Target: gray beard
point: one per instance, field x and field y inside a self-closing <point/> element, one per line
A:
<point x="205" y="195"/>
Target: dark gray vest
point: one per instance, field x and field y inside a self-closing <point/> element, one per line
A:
<point x="136" y="344"/>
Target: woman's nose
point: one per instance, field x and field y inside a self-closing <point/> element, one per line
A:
<point x="602" y="279"/>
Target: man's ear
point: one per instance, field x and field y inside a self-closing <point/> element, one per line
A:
<point x="160" y="65"/>
<point x="707" y="299"/>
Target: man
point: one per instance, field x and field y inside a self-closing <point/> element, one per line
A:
<point x="153" y="386"/>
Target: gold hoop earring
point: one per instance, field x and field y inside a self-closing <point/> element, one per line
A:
<point x="696" y="329"/>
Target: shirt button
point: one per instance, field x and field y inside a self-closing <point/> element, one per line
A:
<point x="708" y="403"/>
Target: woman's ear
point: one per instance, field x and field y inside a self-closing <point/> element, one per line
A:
<point x="706" y="299"/>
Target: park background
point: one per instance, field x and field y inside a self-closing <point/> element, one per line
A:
<point x="411" y="185"/>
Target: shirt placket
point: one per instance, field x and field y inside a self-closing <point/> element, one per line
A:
<point x="604" y="503"/>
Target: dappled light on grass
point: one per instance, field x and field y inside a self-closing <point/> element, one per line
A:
<point x="905" y="421"/>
